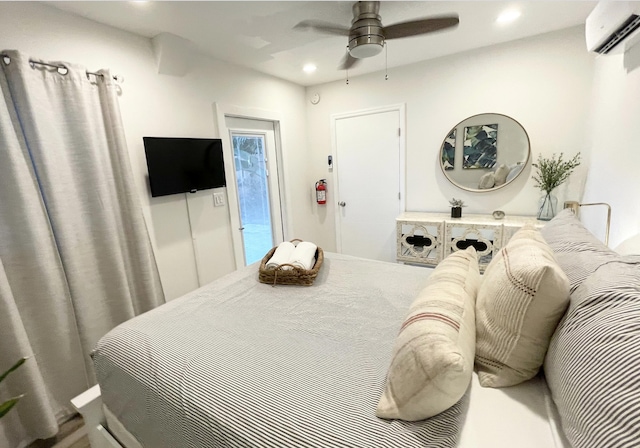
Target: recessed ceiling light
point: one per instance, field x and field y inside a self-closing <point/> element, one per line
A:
<point x="508" y="16"/>
<point x="309" y="68"/>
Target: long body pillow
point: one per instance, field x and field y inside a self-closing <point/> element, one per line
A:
<point x="594" y="358"/>
<point x="433" y="355"/>
<point x="578" y="252"/>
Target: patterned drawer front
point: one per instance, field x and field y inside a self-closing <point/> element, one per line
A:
<point x="427" y="238"/>
<point x="419" y="242"/>
<point x="487" y="239"/>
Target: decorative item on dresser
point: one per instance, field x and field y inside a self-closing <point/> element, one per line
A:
<point x="427" y="238"/>
<point x="456" y="207"/>
<point x="550" y="173"/>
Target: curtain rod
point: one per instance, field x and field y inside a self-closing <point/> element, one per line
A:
<point x="117" y="78"/>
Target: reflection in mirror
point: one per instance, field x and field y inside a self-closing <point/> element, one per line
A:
<point x="484" y="152"/>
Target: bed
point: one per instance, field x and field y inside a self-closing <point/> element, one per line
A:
<point x="243" y="364"/>
<point x="240" y="363"/>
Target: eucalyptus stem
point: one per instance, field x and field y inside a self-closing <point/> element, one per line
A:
<point x="554" y="171"/>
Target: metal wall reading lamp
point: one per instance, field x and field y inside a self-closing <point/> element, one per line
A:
<point x="575" y="208"/>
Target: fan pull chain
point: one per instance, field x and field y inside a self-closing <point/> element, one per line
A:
<point x="386" y="66"/>
<point x="346" y="61"/>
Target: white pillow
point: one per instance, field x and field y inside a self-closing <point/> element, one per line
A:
<point x="433" y="355"/>
<point x="514" y="171"/>
<point x="501" y="174"/>
<point x="523" y="296"/>
<point x="487" y="181"/>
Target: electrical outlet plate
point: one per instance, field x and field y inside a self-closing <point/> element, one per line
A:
<point x="218" y="199"/>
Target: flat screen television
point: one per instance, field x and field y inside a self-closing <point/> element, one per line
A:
<point x="181" y="165"/>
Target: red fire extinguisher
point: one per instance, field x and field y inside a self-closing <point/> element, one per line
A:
<point x="321" y="191"/>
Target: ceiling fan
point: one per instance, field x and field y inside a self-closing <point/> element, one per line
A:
<point x="367" y="35"/>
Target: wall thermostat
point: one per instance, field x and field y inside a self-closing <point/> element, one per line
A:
<point x="315" y="99"/>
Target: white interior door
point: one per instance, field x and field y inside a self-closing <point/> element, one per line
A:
<point x="255" y="164"/>
<point x="369" y="171"/>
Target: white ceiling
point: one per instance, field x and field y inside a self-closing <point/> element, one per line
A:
<point x="260" y="35"/>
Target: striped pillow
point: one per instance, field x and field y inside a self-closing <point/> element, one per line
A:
<point x="594" y="357"/>
<point x="577" y="251"/>
<point x="523" y="296"/>
<point x="433" y="355"/>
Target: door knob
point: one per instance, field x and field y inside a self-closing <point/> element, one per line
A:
<point x="342" y="203"/>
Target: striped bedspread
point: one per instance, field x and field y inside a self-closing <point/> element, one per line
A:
<point x="238" y="363"/>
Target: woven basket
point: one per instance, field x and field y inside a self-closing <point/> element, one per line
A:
<point x="293" y="276"/>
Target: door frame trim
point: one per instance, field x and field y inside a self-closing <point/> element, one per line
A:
<point x="401" y="109"/>
<point x="221" y="111"/>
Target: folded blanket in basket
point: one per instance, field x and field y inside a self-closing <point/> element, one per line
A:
<point x="304" y="255"/>
<point x="281" y="255"/>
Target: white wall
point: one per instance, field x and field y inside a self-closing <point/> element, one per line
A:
<point x="542" y="82"/>
<point x="161" y="105"/>
<point x="613" y="141"/>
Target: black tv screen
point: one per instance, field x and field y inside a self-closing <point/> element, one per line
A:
<point x="180" y="165"/>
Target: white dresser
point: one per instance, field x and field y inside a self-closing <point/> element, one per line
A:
<point x="426" y="238"/>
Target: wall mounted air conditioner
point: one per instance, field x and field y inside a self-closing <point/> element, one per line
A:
<point x="613" y="27"/>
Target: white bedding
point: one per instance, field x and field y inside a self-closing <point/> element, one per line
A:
<point x="521" y="416"/>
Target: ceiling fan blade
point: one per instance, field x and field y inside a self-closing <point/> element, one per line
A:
<point x="348" y="62"/>
<point x="323" y="27"/>
<point x="416" y="27"/>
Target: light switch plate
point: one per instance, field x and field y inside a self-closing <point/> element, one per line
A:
<point x="218" y="199"/>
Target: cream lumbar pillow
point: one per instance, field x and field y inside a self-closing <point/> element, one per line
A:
<point x="523" y="295"/>
<point x="433" y="355"/>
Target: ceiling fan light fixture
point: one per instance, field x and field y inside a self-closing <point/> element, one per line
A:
<point x="367" y="36"/>
<point x="366" y="46"/>
<point x="508" y="16"/>
<point x="366" y="50"/>
<point x="309" y="68"/>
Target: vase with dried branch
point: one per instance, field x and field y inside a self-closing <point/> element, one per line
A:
<point x="550" y="173"/>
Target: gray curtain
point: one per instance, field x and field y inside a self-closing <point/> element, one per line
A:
<point x="75" y="255"/>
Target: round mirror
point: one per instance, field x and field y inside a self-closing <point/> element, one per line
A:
<point x="484" y="152"/>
